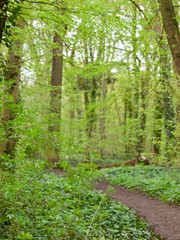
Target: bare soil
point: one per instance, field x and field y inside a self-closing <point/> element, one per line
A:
<point x="163" y="218"/>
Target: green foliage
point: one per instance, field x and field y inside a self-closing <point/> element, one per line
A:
<point x="155" y="181"/>
<point x="38" y="205"/>
<point x="101" y="40"/>
<point x="90" y="55"/>
<point x="14" y="8"/>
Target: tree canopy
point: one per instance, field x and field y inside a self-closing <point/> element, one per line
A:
<point x="90" y="80"/>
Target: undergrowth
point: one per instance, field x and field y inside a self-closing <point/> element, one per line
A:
<point x="155" y="181"/>
<point x="40" y="205"/>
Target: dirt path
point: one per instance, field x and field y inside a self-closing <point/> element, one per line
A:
<point x="163" y="218"/>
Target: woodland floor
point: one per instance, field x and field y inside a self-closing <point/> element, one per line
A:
<point x="163" y="218"/>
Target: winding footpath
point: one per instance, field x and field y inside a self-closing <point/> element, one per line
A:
<point x="163" y="218"/>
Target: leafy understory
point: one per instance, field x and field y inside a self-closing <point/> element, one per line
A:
<point x="155" y="181"/>
<point x="39" y="205"/>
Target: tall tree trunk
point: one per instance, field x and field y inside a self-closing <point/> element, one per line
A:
<point x="90" y="109"/>
<point x="136" y="85"/>
<point x="102" y="120"/>
<point x="90" y="100"/>
<point x="55" y="101"/>
<point x="169" y="112"/>
<point x="11" y="95"/>
<point x="172" y="30"/>
<point x="3" y="16"/>
<point x="157" y="131"/>
<point x="142" y="114"/>
<point x="128" y="115"/>
<point x="90" y="91"/>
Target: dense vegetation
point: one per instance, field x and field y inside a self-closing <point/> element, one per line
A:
<point x="88" y="81"/>
<point x="40" y="205"/>
<point x="84" y="82"/>
<point x="155" y="181"/>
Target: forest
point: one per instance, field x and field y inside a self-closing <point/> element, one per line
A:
<point x="89" y="90"/>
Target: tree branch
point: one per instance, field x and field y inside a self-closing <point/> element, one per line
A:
<point x="137" y="6"/>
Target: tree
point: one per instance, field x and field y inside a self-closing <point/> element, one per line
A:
<point x="172" y="30"/>
<point x="3" y="16"/>
<point x="55" y="101"/>
<point x="103" y="116"/>
<point x="169" y="113"/>
<point x="11" y="94"/>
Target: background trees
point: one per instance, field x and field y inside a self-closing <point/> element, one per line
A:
<point x="116" y="93"/>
